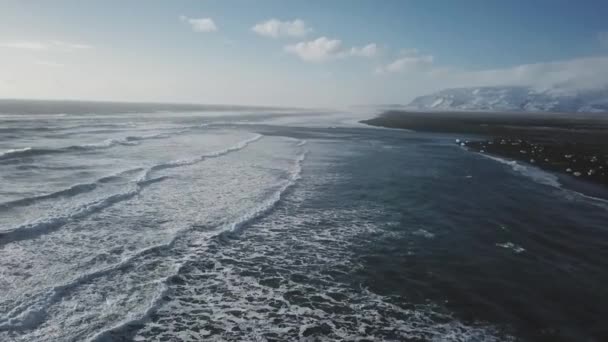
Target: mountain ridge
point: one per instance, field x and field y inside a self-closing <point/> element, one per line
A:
<point x="514" y="99"/>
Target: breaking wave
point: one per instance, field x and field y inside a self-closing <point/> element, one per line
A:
<point x="531" y="172"/>
<point x="24" y="317"/>
<point x="68" y="192"/>
<point x="191" y="161"/>
<point x="549" y="179"/>
<point x="273" y="200"/>
<point x="108" y="143"/>
<point x="257" y="213"/>
<point x="45" y="225"/>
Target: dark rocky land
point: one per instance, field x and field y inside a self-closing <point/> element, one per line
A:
<point x="574" y="145"/>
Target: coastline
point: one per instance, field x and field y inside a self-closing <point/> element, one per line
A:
<point x="573" y="146"/>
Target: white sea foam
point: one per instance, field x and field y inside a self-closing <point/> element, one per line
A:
<point x="183" y="162"/>
<point x="595" y="201"/>
<point x="279" y="278"/>
<point x="273" y="200"/>
<point x="47" y="224"/>
<point x="67" y="192"/>
<point x="547" y="178"/>
<point x="601" y="201"/>
<point x="131" y="140"/>
<point x="32" y="151"/>
<point x="30" y="311"/>
<point x="14" y="152"/>
<point x="44" y="225"/>
<point x="266" y="206"/>
<point x="161" y="135"/>
<point x="424" y="233"/>
<point x="107" y="143"/>
<point x="510" y="245"/>
<point x="33" y="310"/>
<point x="531" y="172"/>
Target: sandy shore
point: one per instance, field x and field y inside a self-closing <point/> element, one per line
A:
<point x="574" y="145"/>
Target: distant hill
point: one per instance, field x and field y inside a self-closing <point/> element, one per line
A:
<point x="514" y="99"/>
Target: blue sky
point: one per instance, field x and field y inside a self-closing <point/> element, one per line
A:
<point x="306" y="53"/>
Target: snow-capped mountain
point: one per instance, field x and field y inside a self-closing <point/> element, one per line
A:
<point x="514" y="99"/>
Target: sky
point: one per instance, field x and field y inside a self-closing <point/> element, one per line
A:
<point x="313" y="53"/>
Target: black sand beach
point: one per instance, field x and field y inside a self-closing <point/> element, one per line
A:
<point x="569" y="144"/>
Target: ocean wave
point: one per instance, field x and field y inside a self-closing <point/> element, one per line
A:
<point x="30" y="315"/>
<point x="547" y="178"/>
<point x="155" y="135"/>
<point x="510" y="245"/>
<point x="10" y="152"/>
<point x="273" y="200"/>
<point x="69" y="192"/>
<point x="32" y="312"/>
<point x="595" y="201"/>
<point x="184" y="162"/>
<point x="598" y="200"/>
<point x="72" y="191"/>
<point x="232" y="227"/>
<point x="108" y="143"/>
<point x="23" y="317"/>
<point x="107" y="335"/>
<point x="297" y="278"/>
<point x="424" y="233"/>
<point x="34" y="151"/>
<point x="100" y="145"/>
<point x="45" y="225"/>
<point x="531" y="172"/>
<point x="48" y="224"/>
<point x="24" y="152"/>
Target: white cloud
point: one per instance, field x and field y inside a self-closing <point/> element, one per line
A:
<point x="369" y="50"/>
<point x="275" y="28"/>
<point x="56" y="45"/>
<point x="324" y="49"/>
<point x="412" y="61"/>
<point x="419" y="75"/>
<point x="318" y="50"/>
<point x="580" y="73"/>
<point x="200" y="24"/>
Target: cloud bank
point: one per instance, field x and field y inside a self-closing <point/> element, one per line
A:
<point x="407" y="77"/>
<point x="324" y="49"/>
<point x="580" y="73"/>
<point x="275" y="28"/>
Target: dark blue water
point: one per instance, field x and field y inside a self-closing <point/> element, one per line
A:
<point x="301" y="228"/>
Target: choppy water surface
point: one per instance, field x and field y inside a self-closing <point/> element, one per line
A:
<point x="258" y="227"/>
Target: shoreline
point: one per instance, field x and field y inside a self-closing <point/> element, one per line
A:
<point x="574" y="147"/>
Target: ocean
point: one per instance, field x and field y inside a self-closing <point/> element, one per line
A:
<point x="261" y="225"/>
